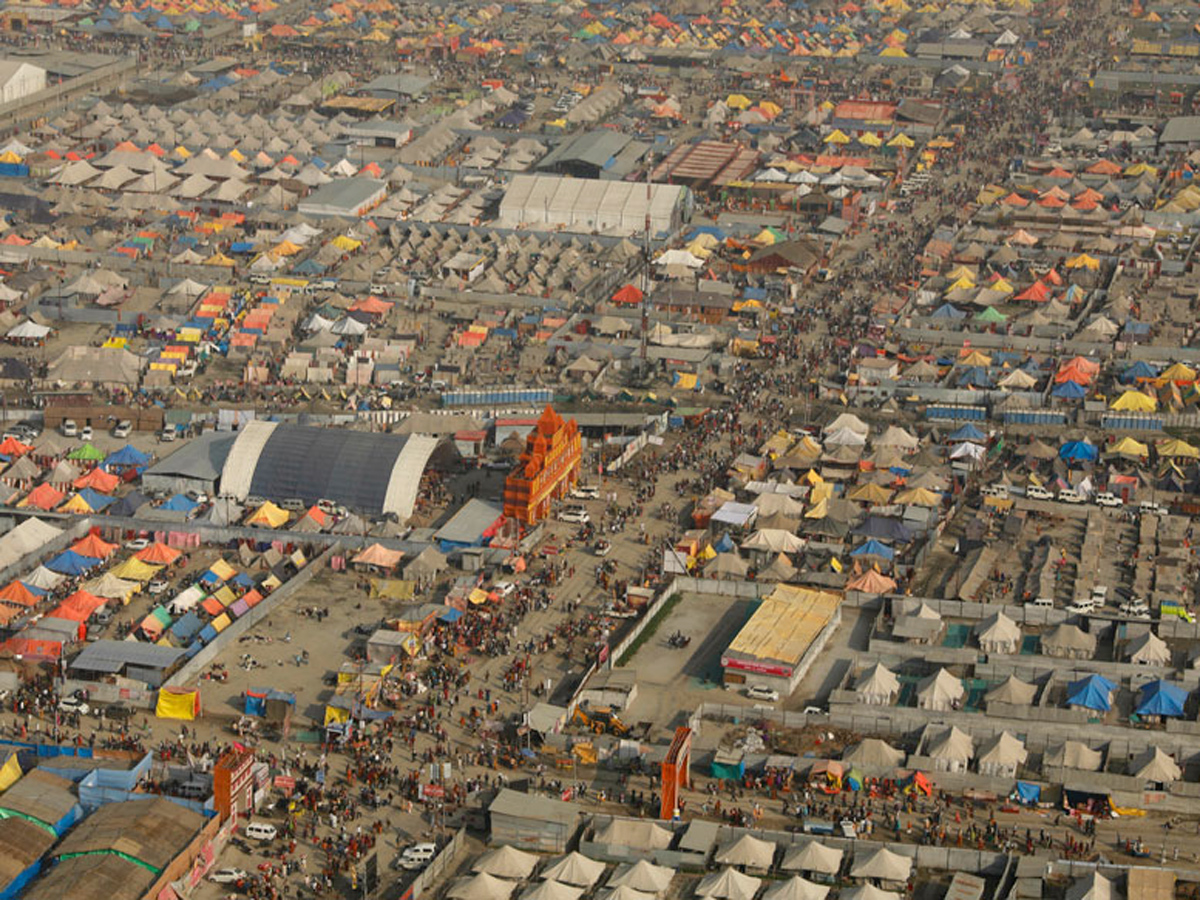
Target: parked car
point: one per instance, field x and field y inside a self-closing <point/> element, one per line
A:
<point x="228" y="876"/>
<point x="86" y="433"/>
<point x="157" y="586"/>
<point x="1037" y="492"/>
<point x="261" y="831"/>
<point x="1152" y="507"/>
<point x="122" y="429"/>
<point x="576" y="515"/>
<point x="586" y="492"/>
<point x="1136" y="608"/>
<point x="137" y="544"/>
<point x="69" y="428"/>
<point x="761" y="692"/>
<point x="1108" y="498"/>
<point x="167" y="435"/>
<point x="73" y="705"/>
<point x="1083" y="606"/>
<point x="1070" y="495"/>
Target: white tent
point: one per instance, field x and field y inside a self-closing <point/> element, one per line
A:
<point x="728" y="884"/>
<point x="940" y="691"/>
<point x="848" y="420"/>
<point x="877" y="686"/>
<point x="998" y="634"/>
<point x="845" y="437"/>
<point x="775" y="540"/>
<point x="551" y="890"/>
<point x="625" y="893"/>
<point x="1093" y="886"/>
<point x="895" y="436"/>
<point x="812" y="856"/>
<point x="643" y="875"/>
<point x="868" y="892"/>
<point x="1074" y="755"/>
<point x="873" y="753"/>
<point x="1153" y="765"/>
<point x="28" y="330"/>
<point x="880" y="864"/>
<point x="481" y="887"/>
<point x="748" y="852"/>
<point x="575" y="869"/>
<point x="1012" y="690"/>
<point x="506" y="862"/>
<point x="796" y="888"/>
<point x="1148" y="649"/>
<point x="951" y="750"/>
<point x="1066" y="640"/>
<point x="1002" y="756"/>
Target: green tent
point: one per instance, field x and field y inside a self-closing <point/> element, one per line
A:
<point x="991" y="314"/>
<point x="87" y="453"/>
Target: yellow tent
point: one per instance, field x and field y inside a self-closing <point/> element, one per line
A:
<point x="918" y="497"/>
<point x="10" y="772"/>
<point x="133" y="569"/>
<point x="1134" y="401"/>
<point x="346" y="243"/>
<point x="1129" y="447"/>
<point x="177" y="703"/>
<point x="9" y="157"/>
<point x="335" y="715"/>
<point x="962" y="284"/>
<point x="219" y="259"/>
<point x="286" y="248"/>
<point x="870" y="140"/>
<point x="901" y="140"/>
<point x="1001" y="285"/>
<point x="872" y="493"/>
<point x="1179" y="372"/>
<point x="837" y="136"/>
<point x="268" y="515"/>
<point x="222" y="570"/>
<point x="1083" y="261"/>
<point x="766" y="236"/>
<point x="895" y="52"/>
<point x="1142" y="168"/>
<point x="76" y="505"/>
<point x="818" y="510"/>
<point x="960" y="271"/>
<point x="236" y="154"/>
<point x="1177" y="448"/>
<point x="976" y="358"/>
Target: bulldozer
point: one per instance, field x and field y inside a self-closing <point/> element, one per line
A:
<point x="600" y="719"/>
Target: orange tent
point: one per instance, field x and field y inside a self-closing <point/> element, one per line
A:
<point x="12" y="447"/>
<point x="43" y="497"/>
<point x="98" y="480"/>
<point x="78" y="607"/>
<point x="159" y="555"/>
<point x="94" y="547"/>
<point x="16" y="594"/>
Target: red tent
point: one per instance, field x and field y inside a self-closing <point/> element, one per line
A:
<point x="159" y="555"/>
<point x="628" y="294"/>
<point x="43" y="497"/>
<point x="98" y="480"/>
<point x="10" y="446"/>
<point x="17" y="594"/>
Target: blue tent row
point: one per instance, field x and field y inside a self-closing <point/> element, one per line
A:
<point x="967" y="432"/>
<point x="126" y="456"/>
<point x="1078" y="451"/>
<point x="874" y="548"/>
<point x="1069" y="390"/>
<point x="96" y="500"/>
<point x="180" y="503"/>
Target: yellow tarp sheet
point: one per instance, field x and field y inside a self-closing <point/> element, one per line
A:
<point x="177" y="704"/>
<point x="392" y="588"/>
<point x="785" y="625"/>
<point x="269" y="515"/>
<point x="10" y="772"/>
<point x="222" y="570"/>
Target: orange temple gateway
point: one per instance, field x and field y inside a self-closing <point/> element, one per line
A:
<point x="548" y="468"/>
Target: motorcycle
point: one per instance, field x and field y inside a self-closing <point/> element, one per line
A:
<point x="679" y="640"/>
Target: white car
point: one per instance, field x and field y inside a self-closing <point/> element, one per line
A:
<point x="137" y="544"/>
<point x="69" y="428"/>
<point x="586" y="492"/>
<point x="1136" y="608"/>
<point x="575" y="515"/>
<point x="86" y="433"/>
<point x="759" y="692"/>
<point x="73" y="705"/>
<point x="1107" y="498"/>
<point x="1034" y="492"/>
<point x="122" y="429"/>
<point x="504" y="588"/>
<point x="228" y="876"/>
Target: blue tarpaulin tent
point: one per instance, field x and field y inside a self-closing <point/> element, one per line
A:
<point x="71" y="563"/>
<point x="1078" y="451"/>
<point x="1069" y="390"/>
<point x="186" y="627"/>
<point x="1161" y="698"/>
<point x="127" y="456"/>
<point x="180" y="503"/>
<point x="967" y="432"/>
<point x="1140" y="369"/>
<point x="1027" y="793"/>
<point x="724" y="544"/>
<point x="1093" y="692"/>
<point x="874" y="548"/>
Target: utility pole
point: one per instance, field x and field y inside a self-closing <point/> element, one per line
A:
<point x="646" y="269"/>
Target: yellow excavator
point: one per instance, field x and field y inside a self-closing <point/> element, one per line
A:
<point x="599" y="720"/>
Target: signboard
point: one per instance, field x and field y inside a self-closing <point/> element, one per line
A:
<point x="743" y="665"/>
<point x="433" y="791"/>
<point x="285" y="783"/>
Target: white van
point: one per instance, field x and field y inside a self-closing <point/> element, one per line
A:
<point x="1083" y="606"/>
<point x="1108" y="498"/>
<point x="1042" y="603"/>
<point x="261" y="831"/>
<point x="1037" y="492"/>
<point x="1070" y="495"/>
<point x="418" y="856"/>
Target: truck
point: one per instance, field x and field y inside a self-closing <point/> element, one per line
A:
<point x="844" y="828"/>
